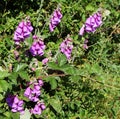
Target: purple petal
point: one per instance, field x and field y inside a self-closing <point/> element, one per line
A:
<point x="13" y="110"/>
<point x="20" y="103"/>
<point x="88" y="20"/>
<point x="88" y="28"/>
<point x="27" y="92"/>
<point x="85" y="46"/>
<point x="20" y="108"/>
<point x="14" y="105"/>
<point x="40" y="52"/>
<point x="34" y="99"/>
<point x="21" y="24"/>
<point x="51" y="27"/>
<point x="36" y="86"/>
<point x="30" y="28"/>
<point x="16" y="100"/>
<point x="81" y="32"/>
<point x="42" y="106"/>
<point x="92" y="21"/>
<point x="19" y="30"/>
<point x="22" y="112"/>
<point x="40" y="82"/>
<point x="44" y="61"/>
<point x="37" y="47"/>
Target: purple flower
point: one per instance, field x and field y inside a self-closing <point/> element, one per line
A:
<point x="35" y="37"/>
<point x="55" y="19"/>
<point x="39" y="107"/>
<point x="40" y="82"/>
<point x="33" y="93"/>
<point x="37" y="48"/>
<point x="44" y="61"/>
<point x="91" y="24"/>
<point x="85" y="46"/>
<point x="15" y="104"/>
<point x="23" y="31"/>
<point x="66" y="47"/>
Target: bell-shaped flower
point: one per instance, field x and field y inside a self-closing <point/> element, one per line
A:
<point x="91" y="24"/>
<point x="66" y="47"/>
<point x="37" y="48"/>
<point x="55" y="19"/>
<point x="23" y="31"/>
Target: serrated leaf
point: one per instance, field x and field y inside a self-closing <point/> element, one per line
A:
<point x="4" y="74"/>
<point x="61" y="58"/>
<point x="29" y="41"/>
<point x="24" y="75"/>
<point x="89" y="7"/>
<point x="69" y="70"/>
<point x="7" y="114"/>
<point x="53" y="65"/>
<point x="74" y="78"/>
<point x="1" y="97"/>
<point x="4" y="85"/>
<point x="96" y="69"/>
<point x="26" y="114"/>
<point x="55" y="103"/>
<point x="53" y="83"/>
<point x="20" y="67"/>
<point x="16" y="115"/>
<point x="1" y="90"/>
<point x="13" y="77"/>
<point x="38" y="73"/>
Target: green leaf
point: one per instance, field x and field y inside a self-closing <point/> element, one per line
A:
<point x="55" y="103"/>
<point x="4" y="85"/>
<point x="20" y="67"/>
<point x="7" y="114"/>
<point x="69" y="70"/>
<point x="61" y="58"/>
<point x="89" y="7"/>
<point x="38" y="72"/>
<point x="15" y="115"/>
<point x="26" y="114"/>
<point x="53" y="65"/>
<point x="13" y="77"/>
<point x="96" y="69"/>
<point x="75" y="78"/>
<point x="29" y="41"/>
<point x="1" y="90"/>
<point x="1" y="97"/>
<point x="53" y="83"/>
<point x="4" y="74"/>
<point x="24" y="75"/>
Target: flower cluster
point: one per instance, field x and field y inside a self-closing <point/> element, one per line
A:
<point x="23" y="31"/>
<point x="55" y="19"/>
<point x="91" y="24"/>
<point x="15" y="104"/>
<point x="66" y="47"/>
<point x="39" y="107"/>
<point x="33" y="95"/>
<point x="38" y="46"/>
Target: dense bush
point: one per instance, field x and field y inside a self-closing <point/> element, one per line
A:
<point x="59" y="73"/>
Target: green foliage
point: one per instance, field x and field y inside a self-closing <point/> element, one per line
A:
<point x="85" y="87"/>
